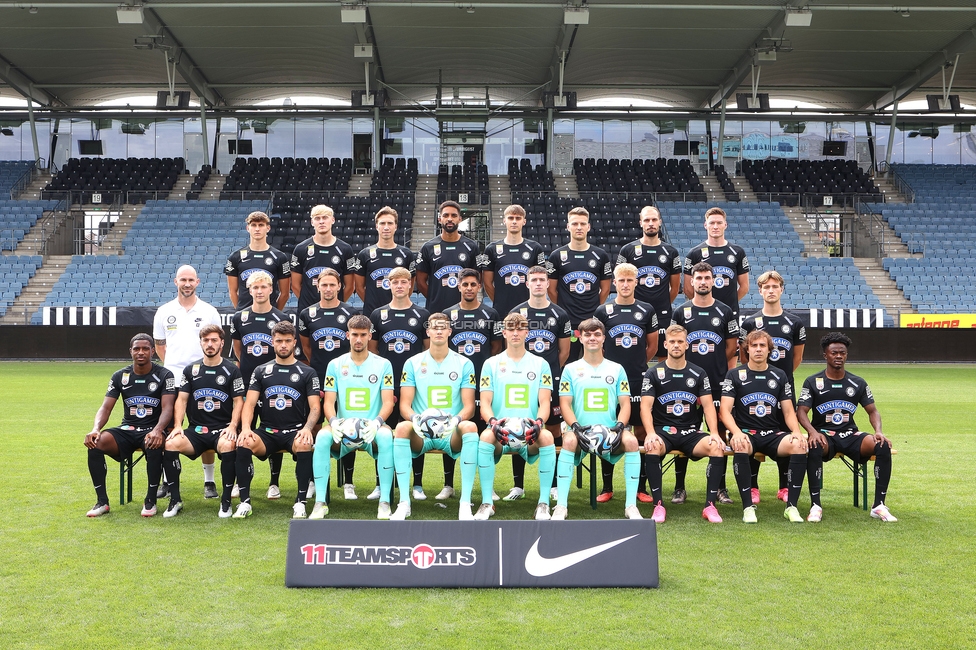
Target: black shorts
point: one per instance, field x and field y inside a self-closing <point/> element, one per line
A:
<point x="128" y="439"/>
<point x="276" y="440"/>
<point x="480" y="424"/>
<point x="683" y="441"/>
<point x="844" y="442"/>
<point x="635" y="403"/>
<point x="202" y="439"/>
<point x="663" y="322"/>
<point x="766" y="442"/>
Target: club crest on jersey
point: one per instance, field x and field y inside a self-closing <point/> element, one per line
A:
<point x="344" y="370"/>
<point x="268" y="261"/>
<point x="609" y="309"/>
<point x="268" y="369"/>
<point x="704" y="253"/>
<point x="687" y="313"/>
<point x="244" y="316"/>
<point x="743" y="374"/>
<point x="384" y="314"/>
<point x="759" y="322"/>
<point x="125" y="378"/>
<point x="772" y="384"/>
<point x="690" y="382"/>
<point x="221" y="380"/>
<point x="153" y="386"/>
<point x="195" y="370"/>
<point x="499" y="249"/>
<point x="850" y="391"/>
<point x="372" y="253"/>
<point x="660" y="372"/>
<point x="437" y="249"/>
<point x="453" y="376"/>
<point x="243" y="254"/>
<point x="820" y="383"/>
<point x="563" y="256"/>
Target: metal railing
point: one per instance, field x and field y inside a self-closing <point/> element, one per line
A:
<point x="835" y="239"/>
<point x="878" y="232"/>
<point x="88" y="240"/>
<point x="25" y="179"/>
<point x="902" y="186"/>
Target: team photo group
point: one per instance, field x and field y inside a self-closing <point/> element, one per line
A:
<point x="515" y="353"/>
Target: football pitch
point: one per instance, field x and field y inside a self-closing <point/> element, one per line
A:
<point x="200" y="581"/>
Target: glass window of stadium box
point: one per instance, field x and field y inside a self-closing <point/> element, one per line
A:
<point x="309" y="137"/>
<point x="529" y="141"/>
<point x="500" y="146"/>
<point x="967" y="144"/>
<point x="617" y="139"/>
<point x="645" y="141"/>
<point x="947" y="145"/>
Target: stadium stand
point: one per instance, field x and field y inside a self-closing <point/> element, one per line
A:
<point x="728" y="187"/>
<point x="675" y="177"/>
<point x="929" y="284"/>
<point x="17" y="217"/>
<point x="257" y="178"/>
<point x="196" y="188"/>
<point x="783" y="180"/>
<point x="523" y="178"/>
<point x="133" y="180"/>
<point x="10" y="173"/>
<point x="15" y="272"/>
<point x="470" y="179"/>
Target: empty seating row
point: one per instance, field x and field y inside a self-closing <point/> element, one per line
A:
<point x="134" y="180"/>
<point x="258" y="178"/>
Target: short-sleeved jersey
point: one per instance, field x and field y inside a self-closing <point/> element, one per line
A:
<point x="547" y="325"/>
<point x="677" y="395"/>
<point x="142" y="395"/>
<point x="515" y="385"/>
<point x="180" y="329"/>
<point x="242" y="263"/>
<point x="374" y="264"/>
<point x="578" y="275"/>
<point x="438" y="385"/>
<point x="757" y="395"/>
<point x="473" y="331"/>
<point x="787" y="332"/>
<point x="728" y="263"/>
<point x="309" y="259"/>
<point x="358" y="387"/>
<point x="211" y="392"/>
<point x="626" y="339"/>
<point x="443" y="262"/>
<point x="655" y="267"/>
<point x="510" y="264"/>
<point x="254" y="333"/>
<point x="708" y="330"/>
<point x="833" y="402"/>
<point x="284" y="393"/>
<point x="326" y="332"/>
<point x="595" y="391"/>
<point x="399" y="335"/>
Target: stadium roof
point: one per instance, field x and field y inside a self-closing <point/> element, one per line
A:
<point x="852" y="56"/>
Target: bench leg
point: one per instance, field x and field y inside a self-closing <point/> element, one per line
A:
<point x="123" y="463"/>
<point x="593" y="481"/>
<point x="864" y="484"/>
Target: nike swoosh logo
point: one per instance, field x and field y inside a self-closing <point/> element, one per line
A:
<point x="540" y="567"/>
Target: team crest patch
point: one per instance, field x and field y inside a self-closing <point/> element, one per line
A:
<point x="243" y="254"/>
<point x="662" y="258"/>
<point x="398" y="261"/>
<point x="384" y="314"/>
<point x="563" y="256"/>
<point x="759" y="322"/>
<point x="412" y="321"/>
<point x="526" y="255"/>
<point x="531" y="376"/>
<point x="743" y="375"/>
<point x="268" y="261"/>
<point x="341" y="319"/>
<point x="592" y="264"/>
<point x="195" y="370"/>
<point x="704" y="253"/>
<point x="499" y="249"/>
<point x="437" y="249"/>
<point x="453" y="376"/>
<point x="268" y="369"/>
<point x="732" y="259"/>
<point x="850" y="391"/>
<point x="609" y="309"/>
<point x="221" y="380"/>
<point x="786" y="329"/>
<point x="372" y="253"/>
<point x="609" y="379"/>
<point x="271" y="324"/>
<point x="687" y="314"/>
<point x="637" y="250"/>
<point x="660" y="373"/>
<point x="153" y="386"/>
<point x="771" y="383"/>
<point x="820" y="383"/>
<point x="344" y="371"/>
<point x="373" y="379"/>
<point x="171" y="320"/>
<point x="462" y="257"/>
<point x="716" y="321"/>
<point x="336" y="259"/>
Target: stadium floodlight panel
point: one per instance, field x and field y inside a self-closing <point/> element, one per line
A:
<point x="798" y="17"/>
<point x="129" y="14"/>
<point x="353" y="14"/>
<point x="576" y="16"/>
<point x="361" y="51"/>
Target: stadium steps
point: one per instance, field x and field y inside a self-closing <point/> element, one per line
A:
<point x="744" y="189"/>
<point x="33" y="191"/>
<point x="895" y="246"/>
<point x="359" y="184"/>
<point x="112" y="244"/>
<point x="891" y="193"/>
<point x="36" y="291"/>
<point x="812" y="246"/>
<point x="211" y="190"/>
<point x="501" y="198"/>
<point x="182" y="186"/>
<point x="37" y="236"/>
<point x="891" y="297"/>
<point x="425" y="205"/>
<point x="712" y="189"/>
<point x="566" y="186"/>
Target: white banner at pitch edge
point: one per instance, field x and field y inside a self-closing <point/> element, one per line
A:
<point x="846" y="318"/>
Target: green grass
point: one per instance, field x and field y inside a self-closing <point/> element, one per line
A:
<point x="851" y="581"/>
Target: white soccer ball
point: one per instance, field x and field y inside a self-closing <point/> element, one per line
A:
<point x="353" y="432"/>
<point x="515" y="432"/>
<point x="435" y="423"/>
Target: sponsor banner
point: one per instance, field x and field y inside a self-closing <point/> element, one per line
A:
<point x="346" y="553"/>
<point x="844" y="318"/>
<point x="937" y="320"/>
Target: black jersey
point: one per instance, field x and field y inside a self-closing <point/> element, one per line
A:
<point x="578" y="275"/>
<point x="547" y="326"/>
<point x="655" y="267"/>
<point x="510" y="264"/>
<point x="757" y="396"/>
<point x="283" y="393"/>
<point x="211" y="393"/>
<point x="708" y="330"/>
<point x="310" y="259"/>
<point x="443" y="262"/>
<point x="728" y="263"/>
<point x="833" y="402"/>
<point x="787" y="332"/>
<point x="326" y="331"/>
<point x="254" y="333"/>
<point x="677" y="395"/>
<point x="399" y="334"/>
<point x="142" y="395"/>
<point x="242" y="263"/>
<point x="374" y="264"/>
<point x="626" y="340"/>
<point x="472" y="333"/>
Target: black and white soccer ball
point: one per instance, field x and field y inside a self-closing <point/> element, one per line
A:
<point x="354" y="432"/>
<point x="516" y="432"/>
<point x="435" y="423"/>
<point x="599" y="439"/>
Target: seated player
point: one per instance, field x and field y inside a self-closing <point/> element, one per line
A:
<point x="833" y="395"/>
<point x="211" y="397"/>
<point x="358" y="385"/>
<point x="148" y="392"/>
<point x="674" y="396"/>
<point x="758" y="412"/>
<point x="438" y="378"/>
<point x="591" y="391"/>
<point x="289" y="409"/>
<point x="515" y="384"/>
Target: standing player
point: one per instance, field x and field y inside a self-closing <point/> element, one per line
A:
<point x="713" y="334"/>
<point x="375" y="262"/>
<point x="148" y="392"/>
<point x="631" y="341"/>
<point x="757" y="409"/>
<point x="658" y="270"/>
<point x="322" y="250"/>
<point x="549" y="337"/>
<point x="322" y="331"/>
<point x="729" y="263"/>
<point x="441" y="260"/>
<point x="675" y="395"/>
<point x="789" y="339"/>
<point x="516" y="384"/>
<point x="595" y="391"/>
<point x="211" y="397"/>
<point x="289" y="410"/>
<point x="440" y="379"/>
<point x="579" y="274"/>
<point x="258" y="256"/>
<point x="833" y="395"/>
<point x="176" y="329"/>
<point x="357" y="385"/>
<point x="505" y="263"/>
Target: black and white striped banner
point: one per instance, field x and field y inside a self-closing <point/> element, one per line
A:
<point x="846" y="318"/>
<point x="78" y="316"/>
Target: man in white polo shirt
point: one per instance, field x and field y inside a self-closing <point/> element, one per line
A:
<point x="176" y="329"/>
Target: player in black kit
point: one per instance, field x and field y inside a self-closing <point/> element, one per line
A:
<point x="375" y="262"/>
<point x="505" y="263"/>
<point x="832" y="396"/>
<point x="322" y="250"/>
<point x="729" y="263"/>
<point x="148" y="392"/>
<point x="211" y="397"/>
<point x="658" y="270"/>
<point x="258" y="256"/>
<point x="289" y="410"/>
<point x="441" y="260"/>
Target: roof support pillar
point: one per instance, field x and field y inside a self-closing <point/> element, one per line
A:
<point x="891" y="136"/>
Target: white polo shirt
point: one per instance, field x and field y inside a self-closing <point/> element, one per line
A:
<point x="180" y="328"/>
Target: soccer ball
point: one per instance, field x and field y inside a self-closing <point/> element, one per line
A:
<point x="516" y="432"/>
<point x="354" y="432"/>
<point x="600" y="440"/>
<point x="434" y="423"/>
